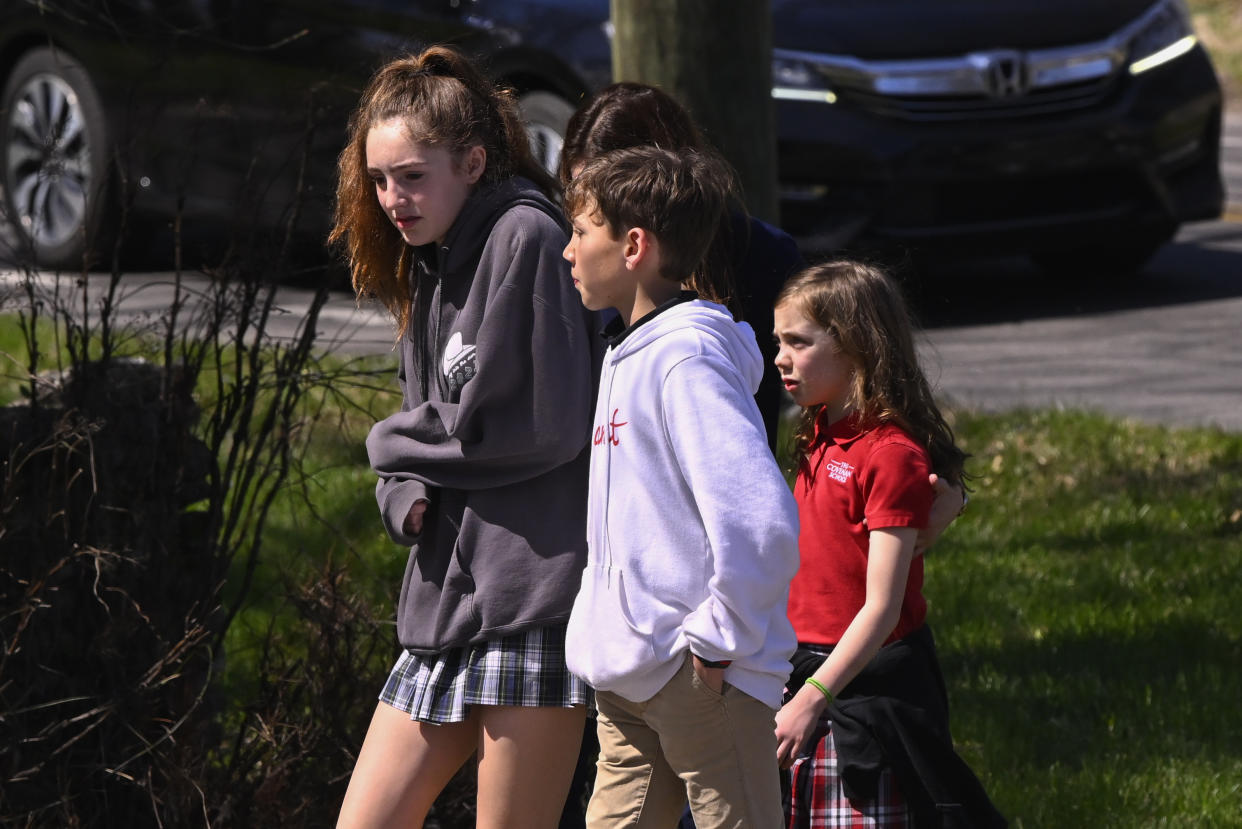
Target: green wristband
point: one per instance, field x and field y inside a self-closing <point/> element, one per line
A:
<point x="815" y="683"/>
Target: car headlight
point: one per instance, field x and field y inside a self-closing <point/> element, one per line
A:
<point x="797" y="79"/>
<point x="1161" y="35"/>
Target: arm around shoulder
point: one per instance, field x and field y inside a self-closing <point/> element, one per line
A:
<point x="948" y="504"/>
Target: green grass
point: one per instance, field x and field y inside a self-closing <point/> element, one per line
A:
<point x="326" y="517"/>
<point x="14" y="358"/>
<point x="1086" y="615"/>
<point x="1085" y="608"/>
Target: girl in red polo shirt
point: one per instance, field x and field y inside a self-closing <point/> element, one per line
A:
<point x="864" y="728"/>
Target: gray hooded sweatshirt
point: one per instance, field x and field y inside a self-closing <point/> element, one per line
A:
<point x="496" y="374"/>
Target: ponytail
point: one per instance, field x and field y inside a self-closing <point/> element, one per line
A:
<point x="488" y="116"/>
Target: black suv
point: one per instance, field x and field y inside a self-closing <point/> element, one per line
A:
<point x="229" y="115"/>
<point x="1082" y="133"/>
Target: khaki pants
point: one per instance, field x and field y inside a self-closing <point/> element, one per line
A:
<point x="686" y="742"/>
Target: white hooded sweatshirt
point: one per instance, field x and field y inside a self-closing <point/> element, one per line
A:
<point x="692" y="532"/>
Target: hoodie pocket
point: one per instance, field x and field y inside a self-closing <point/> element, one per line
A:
<point x="603" y="642"/>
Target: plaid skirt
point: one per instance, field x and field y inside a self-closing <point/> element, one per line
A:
<point x="814" y="797"/>
<point x="525" y="669"/>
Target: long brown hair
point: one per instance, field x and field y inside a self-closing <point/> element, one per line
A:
<point x="444" y="101"/>
<point x="864" y="311"/>
<point x="625" y="115"/>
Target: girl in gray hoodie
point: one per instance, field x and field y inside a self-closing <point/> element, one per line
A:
<point x="482" y="473"/>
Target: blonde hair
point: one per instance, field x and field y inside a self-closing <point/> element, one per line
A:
<point x="444" y="101"/>
<point x="865" y="313"/>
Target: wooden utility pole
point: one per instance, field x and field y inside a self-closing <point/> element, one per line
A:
<point x="716" y="58"/>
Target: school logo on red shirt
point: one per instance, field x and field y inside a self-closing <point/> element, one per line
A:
<point x="839" y="471"/>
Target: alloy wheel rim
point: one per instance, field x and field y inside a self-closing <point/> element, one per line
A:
<point x="545" y="146"/>
<point x="47" y="169"/>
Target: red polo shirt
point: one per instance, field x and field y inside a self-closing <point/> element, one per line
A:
<point x="854" y="481"/>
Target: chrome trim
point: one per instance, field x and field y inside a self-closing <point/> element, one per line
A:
<point x="985" y="73"/>
<point x="790" y="93"/>
<point x="968" y="75"/>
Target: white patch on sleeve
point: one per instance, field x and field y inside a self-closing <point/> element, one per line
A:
<point x="460" y="363"/>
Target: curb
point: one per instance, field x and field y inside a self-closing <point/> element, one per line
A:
<point x="1231" y="137"/>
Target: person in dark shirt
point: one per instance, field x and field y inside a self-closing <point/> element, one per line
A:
<point x="748" y="260"/>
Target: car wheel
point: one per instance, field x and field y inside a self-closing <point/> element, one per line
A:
<point x="1120" y="255"/>
<point x="546" y="117"/>
<point x="55" y="158"/>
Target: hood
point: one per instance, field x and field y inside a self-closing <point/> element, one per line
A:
<point x="729" y="340"/>
<point x="480" y="213"/>
<point x="912" y="29"/>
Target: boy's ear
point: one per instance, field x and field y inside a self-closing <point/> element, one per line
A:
<point x="638" y="247"/>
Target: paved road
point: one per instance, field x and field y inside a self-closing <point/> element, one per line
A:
<point x="1166" y="348"/>
<point x="1175" y="360"/>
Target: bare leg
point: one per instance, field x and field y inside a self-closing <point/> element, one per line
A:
<point x="526" y="761"/>
<point x="402" y="767"/>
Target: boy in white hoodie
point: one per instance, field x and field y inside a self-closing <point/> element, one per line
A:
<point x="680" y="621"/>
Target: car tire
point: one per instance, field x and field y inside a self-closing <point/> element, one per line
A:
<point x="1119" y="255"/>
<point x="546" y="116"/>
<point x="56" y="159"/>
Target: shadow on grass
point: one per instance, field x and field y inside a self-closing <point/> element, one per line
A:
<point x="1088" y="625"/>
<point x="1082" y="700"/>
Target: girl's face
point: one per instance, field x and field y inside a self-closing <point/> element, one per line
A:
<point x="811" y="364"/>
<point x="420" y="187"/>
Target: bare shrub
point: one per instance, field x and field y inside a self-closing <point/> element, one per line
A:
<point x="135" y="484"/>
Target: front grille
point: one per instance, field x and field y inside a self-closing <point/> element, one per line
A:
<point x="1036" y="102"/>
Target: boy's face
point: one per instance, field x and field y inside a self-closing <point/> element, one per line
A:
<point x="598" y="262"/>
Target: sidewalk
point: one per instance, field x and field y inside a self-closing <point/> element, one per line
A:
<point x="344" y="326"/>
<point x="1231" y="160"/>
<point x="1174" y="365"/>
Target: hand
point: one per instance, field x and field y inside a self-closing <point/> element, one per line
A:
<point x="414" y="518"/>
<point x="711" y="677"/>
<point x="795" y="723"/>
<point x="946" y="505"/>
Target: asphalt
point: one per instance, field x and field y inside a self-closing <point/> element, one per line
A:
<point x="1177" y="366"/>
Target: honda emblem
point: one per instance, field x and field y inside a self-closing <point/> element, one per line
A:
<point x="1004" y="74"/>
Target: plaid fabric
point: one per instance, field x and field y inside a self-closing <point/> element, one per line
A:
<point x="814" y="798"/>
<point x="526" y="669"/>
